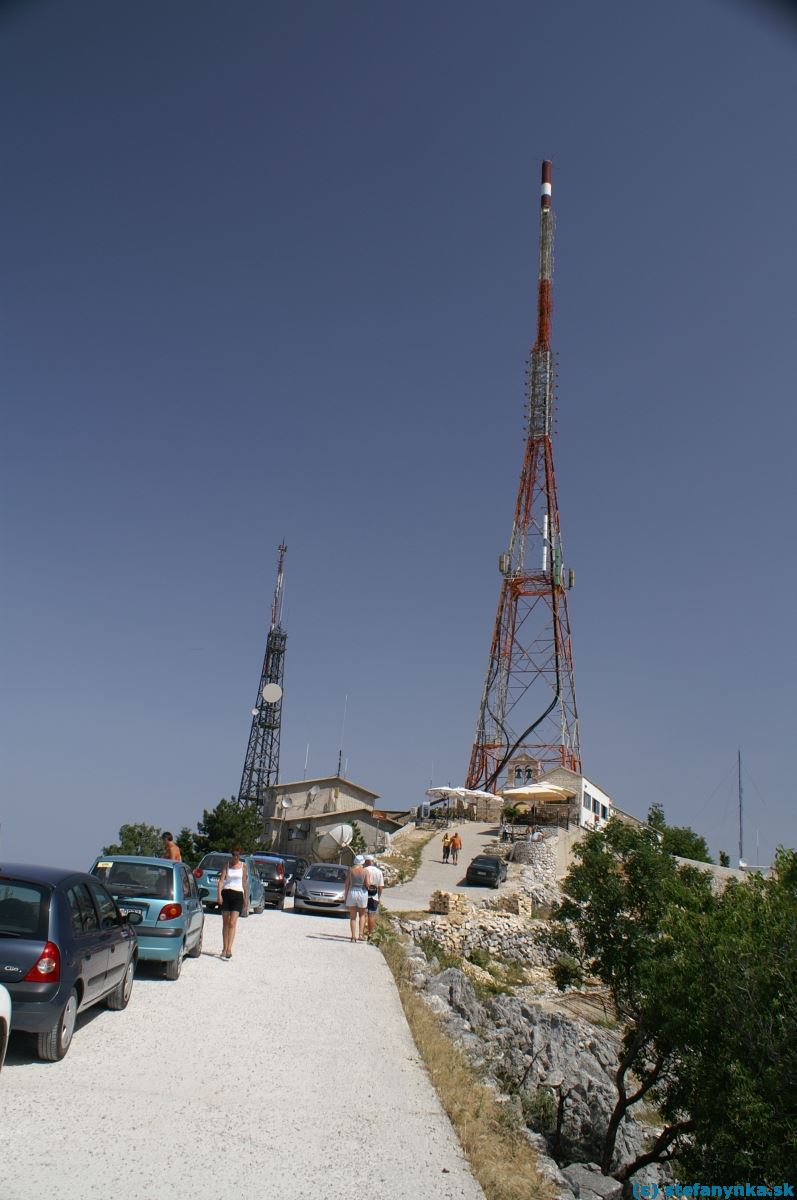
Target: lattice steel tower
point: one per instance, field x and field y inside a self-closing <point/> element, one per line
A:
<point x="529" y="699"/>
<point x="261" y="765"/>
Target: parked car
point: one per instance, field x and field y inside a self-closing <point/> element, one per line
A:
<point x="271" y="870"/>
<point x="322" y="888"/>
<point x="486" y="870"/>
<point x="5" y="1022"/>
<point x="207" y="878"/>
<point x="294" y="870"/>
<point x="166" y="895"/>
<point x="64" y="946"/>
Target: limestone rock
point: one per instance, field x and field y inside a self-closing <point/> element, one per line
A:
<point x="588" y="1183"/>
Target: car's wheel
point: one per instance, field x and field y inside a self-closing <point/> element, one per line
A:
<point x="281" y="903"/>
<point x="54" y="1043"/>
<point x="496" y="885"/>
<point x="120" y="996"/>
<point x="197" y="949"/>
<point x="175" y="965"/>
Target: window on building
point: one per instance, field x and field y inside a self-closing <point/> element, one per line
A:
<point x="595" y="805"/>
<point x="529" y="775"/>
<point x="604" y="812"/>
<point x="588" y="802"/>
<point x="518" y="774"/>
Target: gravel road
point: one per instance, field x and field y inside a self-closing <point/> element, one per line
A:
<point x="288" y="1071"/>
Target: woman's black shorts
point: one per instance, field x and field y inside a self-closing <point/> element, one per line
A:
<point x="231" y="900"/>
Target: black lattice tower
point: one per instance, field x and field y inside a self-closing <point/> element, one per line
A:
<point x="529" y="700"/>
<point x="261" y="765"/>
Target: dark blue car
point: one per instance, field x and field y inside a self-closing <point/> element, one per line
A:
<point x="64" y="946"/>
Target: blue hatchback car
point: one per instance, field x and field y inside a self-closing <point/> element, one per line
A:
<point x="64" y="946"/>
<point x="207" y="878"/>
<point x="166" y="896"/>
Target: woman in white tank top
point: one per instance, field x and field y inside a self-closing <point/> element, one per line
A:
<point x="233" y="898"/>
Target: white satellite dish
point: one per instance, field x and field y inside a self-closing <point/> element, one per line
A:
<point x="271" y="693"/>
<point x="286" y="802"/>
<point x="315" y="789"/>
<point x="255" y="711"/>
<point x="331" y="841"/>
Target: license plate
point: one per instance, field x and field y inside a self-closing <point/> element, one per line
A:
<point x="127" y="911"/>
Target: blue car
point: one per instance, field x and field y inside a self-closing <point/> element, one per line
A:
<point x="207" y="878"/>
<point x="165" y="894"/>
<point x="64" y="946"/>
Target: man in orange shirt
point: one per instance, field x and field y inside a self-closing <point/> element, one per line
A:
<point x="456" y="846"/>
<point x="170" y="848"/>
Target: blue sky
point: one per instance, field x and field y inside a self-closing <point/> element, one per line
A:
<point x="268" y="272"/>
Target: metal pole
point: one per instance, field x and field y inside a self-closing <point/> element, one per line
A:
<point x="739" y="772"/>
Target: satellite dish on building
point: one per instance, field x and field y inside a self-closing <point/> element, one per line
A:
<point x="286" y="802"/>
<point x="315" y="789"/>
<point x="331" y="841"/>
<point x="271" y="693"/>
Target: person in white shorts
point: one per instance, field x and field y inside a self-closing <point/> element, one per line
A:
<point x="356" y="898"/>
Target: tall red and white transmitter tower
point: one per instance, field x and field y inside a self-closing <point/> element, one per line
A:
<point x="529" y="701"/>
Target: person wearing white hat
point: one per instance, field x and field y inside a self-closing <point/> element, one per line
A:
<point x="357" y="898"/>
<point x="374" y="882"/>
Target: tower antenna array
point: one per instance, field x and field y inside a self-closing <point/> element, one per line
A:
<point x="529" y="700"/>
<point x="261" y="765"/>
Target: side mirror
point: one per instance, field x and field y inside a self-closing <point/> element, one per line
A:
<point x="133" y="918"/>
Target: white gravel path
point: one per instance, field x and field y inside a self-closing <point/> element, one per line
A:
<point x="434" y="874"/>
<point x="288" y="1071"/>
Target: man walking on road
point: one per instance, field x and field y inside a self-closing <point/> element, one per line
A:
<point x="374" y="882"/>
<point x="456" y="846"/>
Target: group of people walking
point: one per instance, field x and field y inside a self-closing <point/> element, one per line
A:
<point x="452" y="844"/>
<point x="363" y="893"/>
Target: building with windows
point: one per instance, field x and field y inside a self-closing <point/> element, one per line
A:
<point x="559" y="796"/>
<point x="304" y="810"/>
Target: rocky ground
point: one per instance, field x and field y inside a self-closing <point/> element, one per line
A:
<point x="484" y="969"/>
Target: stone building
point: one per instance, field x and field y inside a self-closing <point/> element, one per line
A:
<point x="302" y="811"/>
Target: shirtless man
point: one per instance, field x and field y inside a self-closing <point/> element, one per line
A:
<point x="170" y="848"/>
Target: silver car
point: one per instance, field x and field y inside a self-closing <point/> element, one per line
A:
<point x="322" y="889"/>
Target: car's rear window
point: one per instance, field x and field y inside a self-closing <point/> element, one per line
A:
<point x="485" y="862"/>
<point x="214" y="862"/>
<point x="24" y="909"/>
<point x="327" y="874"/>
<point x="269" y="869"/>
<point x="136" y="879"/>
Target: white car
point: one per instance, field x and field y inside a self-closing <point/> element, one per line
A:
<point x="5" y="1022"/>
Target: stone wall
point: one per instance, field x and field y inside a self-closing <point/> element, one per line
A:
<point x="448" y="902"/>
<point x="504" y="935"/>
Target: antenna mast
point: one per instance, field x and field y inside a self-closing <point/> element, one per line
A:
<point x="261" y="765"/>
<point x="739" y="777"/>
<point x="529" y="701"/>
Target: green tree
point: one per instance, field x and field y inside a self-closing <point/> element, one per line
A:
<point x="144" y="840"/>
<point x="187" y="841"/>
<point x="728" y="1000"/>
<point x="357" y="844"/>
<point x="229" y="822"/>
<point x="725" y="858"/>
<point x="610" y="927"/>
<point x="678" y="839"/>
